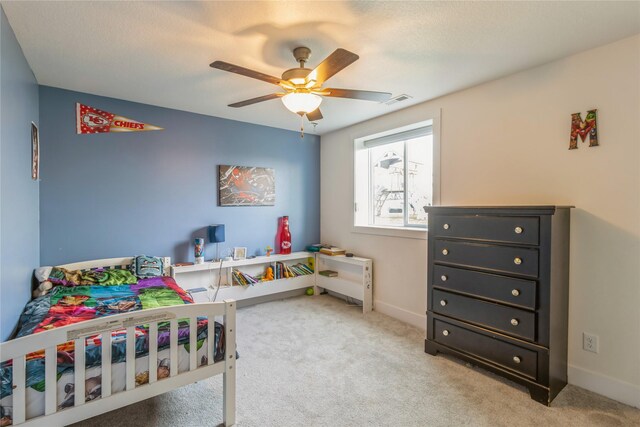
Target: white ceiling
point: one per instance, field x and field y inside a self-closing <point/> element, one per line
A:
<point x="159" y="52"/>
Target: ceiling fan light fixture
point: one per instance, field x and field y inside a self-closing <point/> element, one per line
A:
<point x="301" y="103"/>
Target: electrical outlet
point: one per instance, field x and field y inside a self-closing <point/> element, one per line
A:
<point x="590" y="342"/>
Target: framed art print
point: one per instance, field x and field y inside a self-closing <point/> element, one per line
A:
<point x="35" y="152"/>
<point x="246" y="186"/>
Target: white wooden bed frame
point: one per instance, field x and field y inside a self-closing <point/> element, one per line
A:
<point x="48" y="340"/>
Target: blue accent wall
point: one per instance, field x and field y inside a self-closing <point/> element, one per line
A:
<point x="122" y="194"/>
<point x="19" y="236"/>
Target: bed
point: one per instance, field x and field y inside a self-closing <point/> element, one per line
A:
<point x="85" y="350"/>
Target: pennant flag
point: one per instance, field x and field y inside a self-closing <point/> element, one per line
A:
<point x="92" y="120"/>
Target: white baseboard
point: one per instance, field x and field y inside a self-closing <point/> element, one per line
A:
<point x="612" y="388"/>
<point x="417" y="320"/>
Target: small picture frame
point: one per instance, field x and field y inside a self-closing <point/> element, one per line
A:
<point x="35" y="152"/>
<point x="239" y="254"/>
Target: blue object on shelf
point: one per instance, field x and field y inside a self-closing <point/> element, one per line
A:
<point x="216" y="233"/>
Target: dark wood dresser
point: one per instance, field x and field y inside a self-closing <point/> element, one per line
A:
<point x="498" y="286"/>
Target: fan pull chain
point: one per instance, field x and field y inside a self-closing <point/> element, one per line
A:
<point x="301" y="126"/>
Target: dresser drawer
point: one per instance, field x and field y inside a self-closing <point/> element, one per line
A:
<point x="521" y="360"/>
<point x="509" y="229"/>
<point x="491" y="286"/>
<point x="510" y="320"/>
<point x="523" y="261"/>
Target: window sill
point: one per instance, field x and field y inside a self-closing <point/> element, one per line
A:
<point x="402" y="232"/>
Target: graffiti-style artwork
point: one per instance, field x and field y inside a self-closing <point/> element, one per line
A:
<point x="246" y="186"/>
<point x="582" y="129"/>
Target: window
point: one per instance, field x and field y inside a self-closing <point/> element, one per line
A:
<point x="394" y="178"/>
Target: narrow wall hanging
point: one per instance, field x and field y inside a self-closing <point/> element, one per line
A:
<point x="581" y="129"/>
<point x="35" y="152"/>
<point x="246" y="186"/>
<point x="92" y="120"/>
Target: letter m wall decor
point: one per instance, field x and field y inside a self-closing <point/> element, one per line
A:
<point x="581" y="129"/>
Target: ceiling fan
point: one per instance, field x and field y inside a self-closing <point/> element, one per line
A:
<point x="302" y="86"/>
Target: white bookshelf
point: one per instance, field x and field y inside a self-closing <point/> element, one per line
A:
<point x="355" y="277"/>
<point x="211" y="265"/>
<point x="193" y="278"/>
<point x="264" y="288"/>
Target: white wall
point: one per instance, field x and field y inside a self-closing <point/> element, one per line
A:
<point x="506" y="142"/>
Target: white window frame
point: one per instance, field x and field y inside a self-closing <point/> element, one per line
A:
<point x="411" y="232"/>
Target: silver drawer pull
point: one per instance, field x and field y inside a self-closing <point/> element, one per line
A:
<point x="516" y="359"/>
<point x="445" y="333"/>
<point x="515" y="292"/>
<point x="446" y="226"/>
<point x="445" y="252"/>
<point x="517" y="260"/>
<point x="515" y="322"/>
<point x="444" y="278"/>
<point x="443" y="302"/>
<point x="518" y="230"/>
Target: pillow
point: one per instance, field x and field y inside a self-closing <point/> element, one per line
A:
<point x="99" y="276"/>
<point x="147" y="266"/>
<point x="42" y="273"/>
<point x="108" y="277"/>
<point x="44" y="285"/>
<point x="62" y="276"/>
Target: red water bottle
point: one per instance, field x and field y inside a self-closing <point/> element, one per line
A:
<point x="285" y="236"/>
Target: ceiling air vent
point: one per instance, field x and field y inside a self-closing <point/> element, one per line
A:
<point x="398" y="98"/>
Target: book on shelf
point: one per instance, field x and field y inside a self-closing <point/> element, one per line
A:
<point x="304" y="269"/>
<point x="333" y="251"/>
<point x="282" y="270"/>
<point x="243" y="279"/>
<point x="328" y="273"/>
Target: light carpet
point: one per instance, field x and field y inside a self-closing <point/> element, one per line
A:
<point x="315" y="361"/>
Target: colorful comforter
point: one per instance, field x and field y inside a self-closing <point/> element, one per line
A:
<point x="70" y="305"/>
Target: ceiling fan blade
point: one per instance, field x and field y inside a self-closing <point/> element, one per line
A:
<point x="256" y="100"/>
<point x="314" y="115"/>
<point x="225" y="66"/>
<point x="366" y="95"/>
<point x="331" y="65"/>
